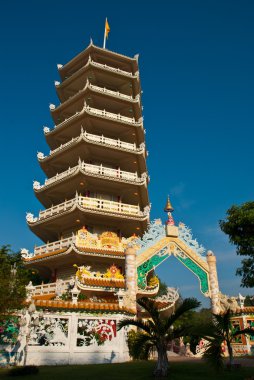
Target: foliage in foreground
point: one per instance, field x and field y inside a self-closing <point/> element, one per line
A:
<point x="218" y="332"/>
<point x="239" y="226"/>
<point x="13" y="279"/>
<point x="156" y="332"/>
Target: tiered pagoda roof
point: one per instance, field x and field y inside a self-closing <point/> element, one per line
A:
<point x="95" y="194"/>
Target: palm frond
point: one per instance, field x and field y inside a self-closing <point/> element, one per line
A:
<point x="202" y="330"/>
<point x="141" y="346"/>
<point x="222" y="322"/>
<point x="176" y="333"/>
<point x="247" y="331"/>
<point x="187" y="304"/>
<point x="213" y="354"/>
<point x="138" y="323"/>
<point x="149" y="306"/>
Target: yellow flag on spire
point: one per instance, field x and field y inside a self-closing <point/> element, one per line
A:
<point x="106" y="32"/>
<point x="107" y="28"/>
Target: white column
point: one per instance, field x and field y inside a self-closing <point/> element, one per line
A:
<point x="130" y="278"/>
<point x="213" y="282"/>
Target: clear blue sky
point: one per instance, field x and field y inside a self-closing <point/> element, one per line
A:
<point x="197" y="73"/>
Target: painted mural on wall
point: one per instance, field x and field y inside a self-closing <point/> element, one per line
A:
<point x="95" y="332"/>
<point x="9" y="330"/>
<point x="9" y="333"/>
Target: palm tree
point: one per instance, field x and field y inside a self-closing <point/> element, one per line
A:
<point x="157" y="331"/>
<point x="221" y="330"/>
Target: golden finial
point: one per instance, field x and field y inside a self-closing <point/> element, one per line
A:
<point x="168" y="207"/>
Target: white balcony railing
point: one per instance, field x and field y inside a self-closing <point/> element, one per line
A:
<point x="50" y="288"/>
<point x="101" y="205"/>
<point x="114" y="116"/>
<point x="94" y="170"/>
<point x="95" y="88"/>
<point x="106" y="241"/>
<point x="114" y="69"/>
<point x="101" y="140"/>
<point x="115" y="143"/>
<point x="113" y="93"/>
<point x="102" y="113"/>
<point x="54" y="246"/>
<point x="104" y="67"/>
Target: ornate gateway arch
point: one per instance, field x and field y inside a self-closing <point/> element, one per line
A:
<point x="158" y="244"/>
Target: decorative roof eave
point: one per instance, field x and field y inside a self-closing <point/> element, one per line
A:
<point x="84" y="137"/>
<point x="35" y="221"/>
<point x="162" y="306"/>
<point x="103" y="67"/>
<point x="68" y="251"/>
<point x="97" y="90"/>
<point x="90" y="47"/>
<point x="150" y="291"/>
<point x="99" y="252"/>
<point x="79" y="170"/>
<point x="46" y="255"/>
<point x="102" y="114"/>
<point x="246" y="310"/>
<point x="109" y="284"/>
<point x="84" y="306"/>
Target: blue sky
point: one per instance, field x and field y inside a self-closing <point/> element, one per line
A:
<point x="196" y="67"/>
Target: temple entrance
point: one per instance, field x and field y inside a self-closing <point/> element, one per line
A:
<point x="159" y="243"/>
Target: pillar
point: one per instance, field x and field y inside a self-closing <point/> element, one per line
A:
<point x="213" y="282"/>
<point x="130" y="278"/>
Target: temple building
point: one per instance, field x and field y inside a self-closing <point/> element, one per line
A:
<point x="96" y="204"/>
<point x="100" y="249"/>
<point x="95" y="195"/>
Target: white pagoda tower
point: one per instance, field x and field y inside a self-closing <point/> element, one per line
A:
<point x="96" y="202"/>
<point x="100" y="249"/>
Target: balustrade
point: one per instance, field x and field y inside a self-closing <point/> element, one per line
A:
<point x="97" y="139"/>
<point x="111" y="115"/>
<point x="51" y="288"/>
<point x="104" y="241"/>
<point x="114" y="93"/>
<point x="103" y="113"/>
<point x="89" y="203"/>
<point x="99" y="170"/>
<point x="114" y="69"/>
<point x="54" y="246"/>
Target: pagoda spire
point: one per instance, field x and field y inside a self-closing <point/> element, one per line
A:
<point x="169" y="209"/>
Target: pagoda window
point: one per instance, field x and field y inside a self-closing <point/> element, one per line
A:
<point x="106" y="197"/>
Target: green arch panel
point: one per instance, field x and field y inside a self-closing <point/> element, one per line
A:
<point x="162" y="255"/>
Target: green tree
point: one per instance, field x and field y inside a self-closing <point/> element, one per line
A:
<point x="239" y="226"/>
<point x="195" y="319"/>
<point x="157" y="332"/>
<point x="219" y="331"/>
<point x="13" y="279"/>
<point x="249" y="301"/>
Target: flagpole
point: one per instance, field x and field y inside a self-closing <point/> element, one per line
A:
<point x="104" y="41"/>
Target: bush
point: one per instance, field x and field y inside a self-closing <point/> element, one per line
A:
<point x="143" y="353"/>
<point x="23" y="371"/>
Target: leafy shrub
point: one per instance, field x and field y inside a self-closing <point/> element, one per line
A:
<point x="141" y="352"/>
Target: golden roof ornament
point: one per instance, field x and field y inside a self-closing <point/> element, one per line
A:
<point x="168" y="207"/>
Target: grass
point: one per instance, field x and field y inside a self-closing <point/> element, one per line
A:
<point x="134" y="371"/>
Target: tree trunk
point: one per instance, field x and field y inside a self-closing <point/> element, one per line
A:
<point x="231" y="356"/>
<point x="161" y="369"/>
